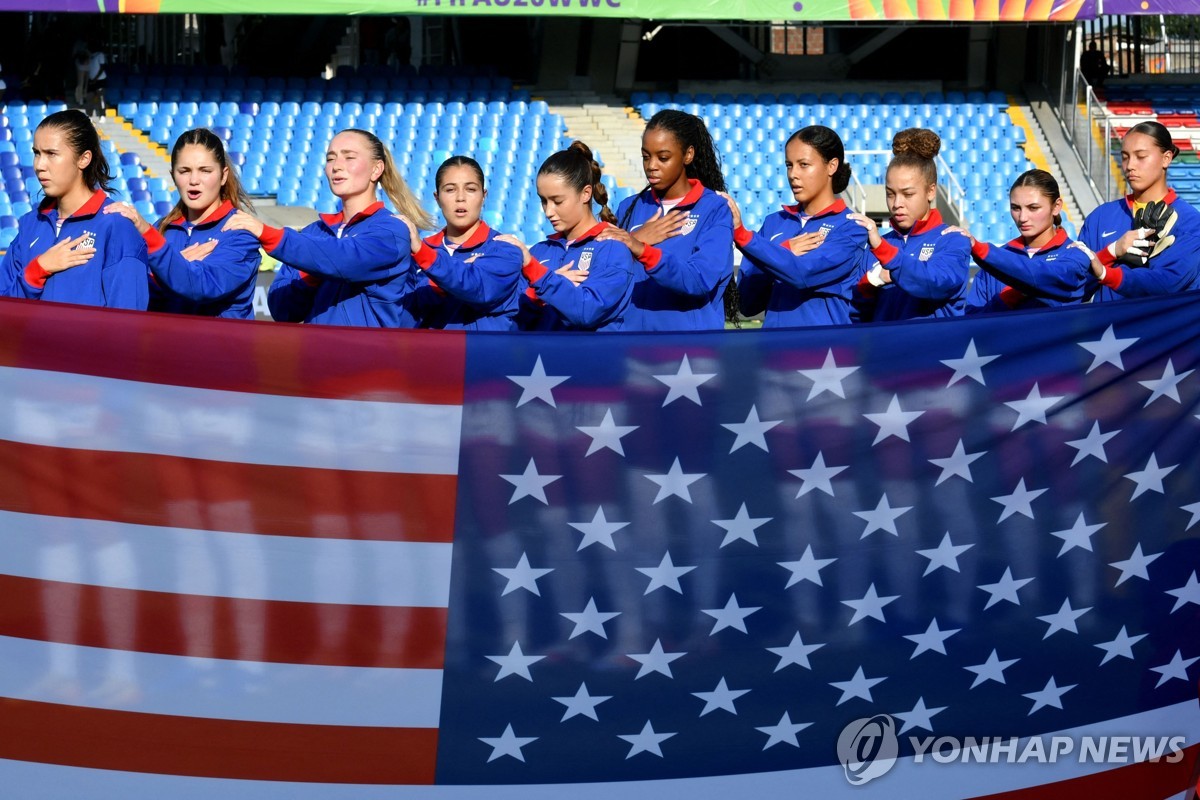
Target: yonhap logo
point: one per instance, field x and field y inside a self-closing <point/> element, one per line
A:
<point x="868" y="748"/>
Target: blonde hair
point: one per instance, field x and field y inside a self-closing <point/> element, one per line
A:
<point x="231" y="190"/>
<point x="393" y="183"/>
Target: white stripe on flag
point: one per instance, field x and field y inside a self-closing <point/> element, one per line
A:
<point x="238" y="565"/>
<point x="88" y="412"/>
<point x="187" y="686"/>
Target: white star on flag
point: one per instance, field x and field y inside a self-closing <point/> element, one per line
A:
<point x="870" y="605"/>
<point x="530" y="484"/>
<point x="1019" y="502"/>
<point x="1033" y="408"/>
<point x="1121" y="646"/>
<point x="808" y="568"/>
<point x="515" y="663"/>
<point x="522" y="576"/>
<point x="752" y="431"/>
<point x="607" y="434"/>
<point x="944" y="555"/>
<point x="655" y="661"/>
<point x="795" y="652"/>
<point x="741" y="527"/>
<point x="1167" y="385"/>
<point x="537" y="385"/>
<point x="1150" y="479"/>
<point x="919" y="717"/>
<point x="828" y="378"/>
<point x="969" y="366"/>
<point x="859" y="686"/>
<point x="684" y="383"/>
<point x="1051" y="695"/>
<point x="665" y="575"/>
<point x="647" y="741"/>
<point x="1092" y="444"/>
<point x="590" y="620"/>
<point x="991" y="670"/>
<point x="1188" y="593"/>
<point x="1135" y="565"/>
<point x="893" y="422"/>
<point x="816" y="477"/>
<point x="581" y="704"/>
<point x="784" y="732"/>
<point x="507" y="744"/>
<point x="1079" y="535"/>
<point x="1175" y="669"/>
<point x="1194" y="510"/>
<point x="675" y="483"/>
<point x="1063" y="619"/>
<point x="958" y="464"/>
<point x="933" y="639"/>
<point x="721" y="697"/>
<point x="598" y="531"/>
<point x="1004" y="589"/>
<point x="882" y="518"/>
<point x="1107" y="350"/>
<point x="731" y="616"/>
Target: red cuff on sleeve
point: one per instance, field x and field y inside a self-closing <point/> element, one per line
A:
<point x="270" y="237"/>
<point x="1113" y="277"/>
<point x="35" y="276"/>
<point x="1105" y="257"/>
<point x="885" y="252"/>
<point x="439" y="290"/>
<point x="533" y="270"/>
<point x="311" y="280"/>
<point x="1011" y="297"/>
<point x="532" y="295"/>
<point x="425" y="256"/>
<point x="742" y="236"/>
<point x="154" y="239"/>
<point x="980" y="249"/>
<point x="866" y="288"/>
<point x="650" y="257"/>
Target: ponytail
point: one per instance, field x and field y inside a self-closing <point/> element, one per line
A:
<point x="578" y="169"/>
<point x="231" y="191"/>
<point x="394" y="185"/>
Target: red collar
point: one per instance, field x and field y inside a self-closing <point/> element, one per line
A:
<point x="591" y="234"/>
<point x="1169" y="198"/>
<point x="474" y="240"/>
<point x="690" y="199"/>
<point x="1058" y="240"/>
<point x="218" y="214"/>
<point x="929" y="223"/>
<point x="838" y="207"/>
<point x="89" y="208"/>
<point x="332" y="220"/>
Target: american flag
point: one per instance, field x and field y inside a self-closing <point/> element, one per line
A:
<point x="249" y="560"/>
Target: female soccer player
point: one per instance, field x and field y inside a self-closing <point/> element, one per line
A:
<point x="474" y="278"/>
<point x="1116" y="233"/>
<point x="576" y="281"/>
<point x="353" y="267"/>
<point x="197" y="266"/>
<point x="65" y="249"/>
<point x="803" y="264"/>
<point x="678" y="228"/>
<point x="1041" y="267"/>
<point x="923" y="269"/>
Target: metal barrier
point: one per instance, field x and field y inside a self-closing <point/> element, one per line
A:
<point x="1089" y="131"/>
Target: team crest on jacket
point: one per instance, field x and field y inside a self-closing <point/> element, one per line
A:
<point x="926" y="252"/>
<point x="689" y="224"/>
<point x="585" y="260"/>
<point x="90" y="241"/>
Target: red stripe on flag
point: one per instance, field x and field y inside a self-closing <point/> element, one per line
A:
<point x="131" y="742"/>
<point x="235" y="355"/>
<point x="294" y="633"/>
<point x="1145" y="780"/>
<point x="215" y="495"/>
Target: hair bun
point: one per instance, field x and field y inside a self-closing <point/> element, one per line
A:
<point x="581" y="148"/>
<point x="919" y="142"/>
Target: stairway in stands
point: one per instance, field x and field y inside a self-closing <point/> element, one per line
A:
<point x="608" y="126"/>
